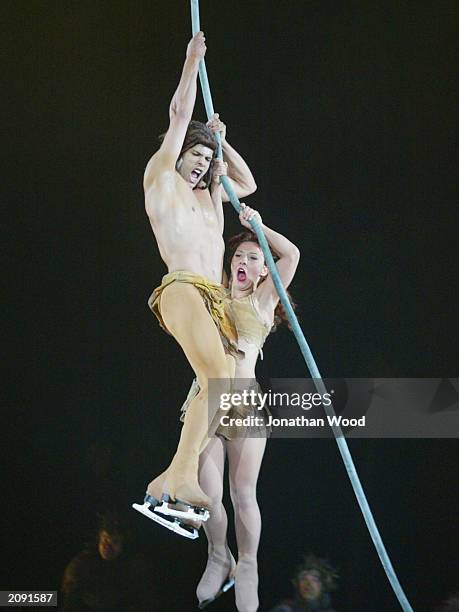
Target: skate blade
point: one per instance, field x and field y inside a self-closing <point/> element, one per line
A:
<point x="171" y="525"/>
<point x="229" y="582"/>
<point x="202" y="514"/>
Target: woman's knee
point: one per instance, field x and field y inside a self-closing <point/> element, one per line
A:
<point x="243" y="496"/>
<point x="216" y="502"/>
<point x="212" y="489"/>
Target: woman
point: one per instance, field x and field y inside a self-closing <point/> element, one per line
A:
<point x="254" y="302"/>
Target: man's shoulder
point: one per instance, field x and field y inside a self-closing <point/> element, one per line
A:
<point x="162" y="190"/>
<point x="87" y="555"/>
<point x="159" y="170"/>
<point x="82" y="563"/>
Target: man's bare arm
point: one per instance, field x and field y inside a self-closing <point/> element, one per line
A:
<point x="239" y="173"/>
<point x="180" y="112"/>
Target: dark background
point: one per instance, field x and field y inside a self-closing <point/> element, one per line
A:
<point x="344" y="112"/>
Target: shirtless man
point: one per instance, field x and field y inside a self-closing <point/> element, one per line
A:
<point x="184" y="205"/>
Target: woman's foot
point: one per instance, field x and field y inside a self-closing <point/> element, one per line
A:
<point x="219" y="571"/>
<point x="246" y="584"/>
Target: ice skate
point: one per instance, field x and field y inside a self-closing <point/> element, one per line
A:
<point x="173" y="524"/>
<point x="187" y="529"/>
<point x="246" y="584"/>
<point x="182" y="498"/>
<point x="218" y="577"/>
<point x="182" y="510"/>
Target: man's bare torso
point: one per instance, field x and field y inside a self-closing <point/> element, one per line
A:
<point x="186" y="226"/>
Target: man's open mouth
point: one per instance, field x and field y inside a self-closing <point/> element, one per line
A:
<point x="241" y="275"/>
<point x="195" y="174"/>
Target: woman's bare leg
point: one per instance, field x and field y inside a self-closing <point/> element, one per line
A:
<point x="188" y="320"/>
<point x="220" y="561"/>
<point x="244" y="457"/>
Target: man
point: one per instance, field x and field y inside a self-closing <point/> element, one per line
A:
<point x="313" y="580"/>
<point x="108" y="575"/>
<point x="183" y="200"/>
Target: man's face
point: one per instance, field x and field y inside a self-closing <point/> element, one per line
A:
<point x="310" y="585"/>
<point x="194" y="163"/>
<point x="247" y="266"/>
<point x="110" y="545"/>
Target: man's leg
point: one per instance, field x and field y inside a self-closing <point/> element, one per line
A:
<point x="213" y="426"/>
<point x="186" y="317"/>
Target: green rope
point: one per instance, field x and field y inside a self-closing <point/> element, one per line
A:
<point x="304" y="347"/>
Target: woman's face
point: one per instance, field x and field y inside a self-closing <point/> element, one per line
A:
<point x="247" y="266"/>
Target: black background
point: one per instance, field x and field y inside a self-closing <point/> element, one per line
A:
<point x="344" y="112"/>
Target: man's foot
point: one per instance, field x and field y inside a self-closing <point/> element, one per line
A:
<point x="184" y="488"/>
<point x="218" y="576"/>
<point x="156" y="491"/>
<point x="155" y="488"/>
<point x="246" y="584"/>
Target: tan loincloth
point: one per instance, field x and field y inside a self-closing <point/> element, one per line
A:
<point x="215" y="299"/>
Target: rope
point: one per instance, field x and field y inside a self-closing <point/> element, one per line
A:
<point x="304" y="347"/>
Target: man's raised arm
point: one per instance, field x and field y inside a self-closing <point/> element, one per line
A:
<point x="241" y="177"/>
<point x="180" y="112"/>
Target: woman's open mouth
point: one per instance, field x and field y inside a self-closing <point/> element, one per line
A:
<point x="241" y="275"/>
<point x="195" y="175"/>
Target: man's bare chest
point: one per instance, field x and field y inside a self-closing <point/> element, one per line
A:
<point x="187" y="209"/>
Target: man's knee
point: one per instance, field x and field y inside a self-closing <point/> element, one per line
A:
<point x="231" y="365"/>
<point x="219" y="372"/>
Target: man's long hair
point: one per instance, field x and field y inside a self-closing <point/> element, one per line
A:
<point x="280" y="316"/>
<point x="199" y="133"/>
